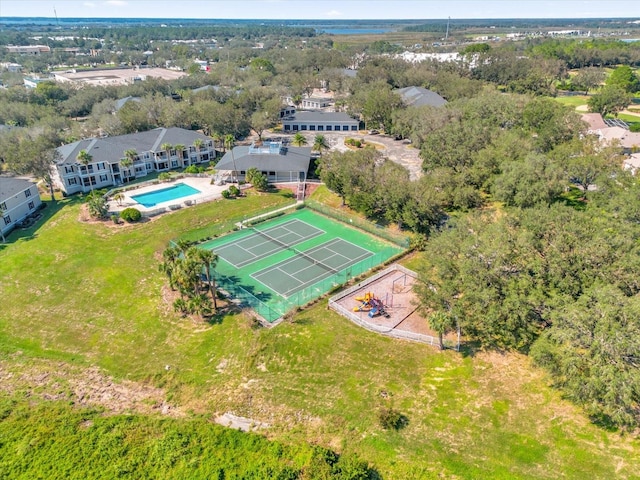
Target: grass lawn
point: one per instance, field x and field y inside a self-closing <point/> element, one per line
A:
<point x="79" y="295"/>
<point x="573" y="101"/>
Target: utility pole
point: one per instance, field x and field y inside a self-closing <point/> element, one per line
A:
<point x="446" y="35"/>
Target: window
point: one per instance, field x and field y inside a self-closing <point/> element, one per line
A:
<point x="104" y="178"/>
<point x="328" y="128"/>
<point x="242" y="172"/>
<point x="303" y="127"/>
<point x="354" y="127"/>
<point x="31" y="206"/>
<point x="68" y="169"/>
<point x="205" y="157"/>
<point x="272" y="174"/>
<point x="345" y="128"/>
<point x="174" y="163"/>
<point x="320" y="128"/>
<point x="287" y="128"/>
<point x="72" y="181"/>
<point x="27" y="193"/>
<point x="263" y="172"/>
<point x="312" y="127"/>
<point x="3" y="206"/>
<point x="7" y="220"/>
<point x="295" y="128"/>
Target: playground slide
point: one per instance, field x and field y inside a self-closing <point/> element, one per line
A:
<point x="373" y="313"/>
<point x="363" y="307"/>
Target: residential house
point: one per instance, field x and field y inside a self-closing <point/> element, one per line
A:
<point x="19" y="198"/>
<point x="105" y="168"/>
<point x="278" y="161"/>
<point x="316" y="103"/>
<point x="320" y="122"/>
<point x="612" y="132"/>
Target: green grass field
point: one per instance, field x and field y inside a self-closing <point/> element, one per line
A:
<point x="76" y="296"/>
<point x="573" y="101"/>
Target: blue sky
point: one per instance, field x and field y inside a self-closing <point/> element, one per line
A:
<point x="322" y="9"/>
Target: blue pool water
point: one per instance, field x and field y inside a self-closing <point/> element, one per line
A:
<point x="168" y="194"/>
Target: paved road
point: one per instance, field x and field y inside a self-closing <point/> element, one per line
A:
<point x="397" y="151"/>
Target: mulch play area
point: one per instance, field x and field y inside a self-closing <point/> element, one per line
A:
<point x="385" y="303"/>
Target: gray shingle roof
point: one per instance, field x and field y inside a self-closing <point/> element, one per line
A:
<point x="419" y="96"/>
<point x="320" y="117"/>
<point x="294" y="159"/>
<point x="111" y="149"/>
<point x="10" y="186"/>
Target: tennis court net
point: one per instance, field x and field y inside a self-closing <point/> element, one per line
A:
<point x="295" y="250"/>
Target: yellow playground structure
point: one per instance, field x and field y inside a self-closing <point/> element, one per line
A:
<point x="370" y="303"/>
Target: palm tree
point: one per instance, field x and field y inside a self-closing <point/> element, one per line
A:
<point x="320" y="143"/>
<point x="170" y="257"/>
<point x="167" y="148"/>
<point x="229" y="141"/>
<point x="119" y="197"/>
<point x="299" y="140"/>
<point x="200" y="305"/>
<point x="128" y="160"/>
<point x="180" y="152"/>
<point x="216" y="137"/>
<point x="442" y="323"/>
<point x="198" y="143"/>
<point x="85" y="159"/>
<point x="208" y="260"/>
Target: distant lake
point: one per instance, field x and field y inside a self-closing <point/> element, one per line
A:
<point x="354" y="31"/>
<point x="631" y="40"/>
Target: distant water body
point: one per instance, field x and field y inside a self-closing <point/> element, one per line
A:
<point x="354" y="31"/>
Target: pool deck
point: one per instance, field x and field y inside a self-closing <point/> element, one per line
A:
<point x="208" y="192"/>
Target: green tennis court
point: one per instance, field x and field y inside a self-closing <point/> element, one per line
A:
<point x="292" y="260"/>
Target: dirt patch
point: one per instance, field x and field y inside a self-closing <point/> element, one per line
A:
<point x="293" y="187"/>
<point x="239" y="423"/>
<point x="89" y="387"/>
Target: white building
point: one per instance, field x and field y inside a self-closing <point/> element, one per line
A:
<point x="157" y="150"/>
<point x="19" y="198"/>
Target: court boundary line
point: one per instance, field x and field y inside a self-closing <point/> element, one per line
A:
<point x="233" y="243"/>
<point x="302" y="285"/>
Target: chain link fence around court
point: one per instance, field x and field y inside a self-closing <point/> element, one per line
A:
<point x="373" y="228"/>
<point x="271" y="310"/>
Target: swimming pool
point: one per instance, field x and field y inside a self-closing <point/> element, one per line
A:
<point x="174" y="192"/>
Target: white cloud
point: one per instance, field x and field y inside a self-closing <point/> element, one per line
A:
<point x="116" y="3"/>
<point x="89" y="4"/>
<point x="334" y="13"/>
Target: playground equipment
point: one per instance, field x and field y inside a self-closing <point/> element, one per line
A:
<point x="370" y="303"/>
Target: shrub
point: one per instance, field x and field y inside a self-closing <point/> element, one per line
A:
<point x="390" y="418"/>
<point x="233" y="190"/>
<point x="192" y="169"/>
<point x="131" y="214"/>
<point x="164" y="176"/>
<point x="226" y="194"/>
<point x="634" y="127"/>
<point x="115" y="218"/>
